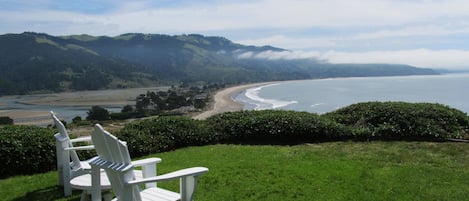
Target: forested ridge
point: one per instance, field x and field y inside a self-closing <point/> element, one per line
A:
<point x="36" y="62"/>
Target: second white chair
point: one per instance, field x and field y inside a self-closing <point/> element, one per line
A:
<point x="113" y="157"/>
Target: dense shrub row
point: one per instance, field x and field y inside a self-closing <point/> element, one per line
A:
<point x="29" y="149"/>
<point x="363" y="121"/>
<point x="401" y="120"/>
<point x="170" y="132"/>
<point x="163" y="133"/>
<point x="274" y="126"/>
<point x="26" y="150"/>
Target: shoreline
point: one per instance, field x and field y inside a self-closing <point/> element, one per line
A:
<point x="223" y="100"/>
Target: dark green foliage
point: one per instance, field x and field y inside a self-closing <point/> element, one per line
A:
<point x="183" y="98"/>
<point x="274" y="126"/>
<point x="39" y="62"/>
<point x="127" y="108"/>
<point x="123" y="115"/>
<point x="91" y="80"/>
<point x="98" y="113"/>
<point x="162" y="134"/>
<point x="6" y="121"/>
<point x="77" y="119"/>
<point x="159" y="101"/>
<point x="400" y="120"/>
<point x="364" y="121"/>
<point x="26" y="150"/>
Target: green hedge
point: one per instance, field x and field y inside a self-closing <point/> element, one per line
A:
<point x="274" y="126"/>
<point x="401" y="120"/>
<point x="363" y="121"/>
<point x="26" y="150"/>
<point x="163" y="133"/>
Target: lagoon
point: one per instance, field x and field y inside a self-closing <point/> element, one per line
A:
<point x="34" y="109"/>
<point x="326" y="95"/>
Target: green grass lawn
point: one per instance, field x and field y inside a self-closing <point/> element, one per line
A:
<point x="324" y="171"/>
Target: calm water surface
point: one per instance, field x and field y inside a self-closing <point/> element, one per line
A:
<point x="66" y="113"/>
<point x="325" y="95"/>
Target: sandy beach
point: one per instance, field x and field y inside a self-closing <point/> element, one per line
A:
<point x="223" y="100"/>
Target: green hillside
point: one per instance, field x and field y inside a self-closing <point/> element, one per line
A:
<point x="34" y="62"/>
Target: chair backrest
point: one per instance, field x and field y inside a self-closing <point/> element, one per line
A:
<point x="114" y="152"/>
<point x="63" y="136"/>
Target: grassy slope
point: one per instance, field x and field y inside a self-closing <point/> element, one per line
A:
<point x="325" y="171"/>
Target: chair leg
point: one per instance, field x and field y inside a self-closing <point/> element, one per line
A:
<point x="67" y="189"/>
<point x="85" y="196"/>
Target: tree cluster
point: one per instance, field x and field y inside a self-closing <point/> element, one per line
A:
<point x="176" y="100"/>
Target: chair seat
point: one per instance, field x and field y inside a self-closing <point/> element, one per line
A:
<point x="83" y="182"/>
<point x="157" y="194"/>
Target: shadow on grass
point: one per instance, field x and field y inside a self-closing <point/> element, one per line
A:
<point x="50" y="193"/>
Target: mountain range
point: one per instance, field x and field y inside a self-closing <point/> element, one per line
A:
<point x="37" y="62"/>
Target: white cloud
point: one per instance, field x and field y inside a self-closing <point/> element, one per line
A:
<point x="425" y="30"/>
<point x="287" y="55"/>
<point x="444" y="59"/>
<point x="292" y="43"/>
<point x="229" y="15"/>
<point x="290" y="14"/>
<point x="447" y="59"/>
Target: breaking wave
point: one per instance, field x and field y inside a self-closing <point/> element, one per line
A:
<point x="264" y="103"/>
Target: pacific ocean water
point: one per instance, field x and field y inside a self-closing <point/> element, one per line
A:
<point x="326" y="95"/>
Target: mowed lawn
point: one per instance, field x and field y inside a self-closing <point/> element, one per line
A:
<point x="321" y="171"/>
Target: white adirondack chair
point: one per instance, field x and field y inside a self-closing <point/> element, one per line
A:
<point x="70" y="166"/>
<point x="113" y="157"/>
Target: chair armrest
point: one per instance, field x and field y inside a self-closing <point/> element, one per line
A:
<point x="195" y="171"/>
<point x="148" y="169"/>
<point x="187" y="180"/>
<point x="81" y="139"/>
<point x="146" y="161"/>
<point x="89" y="147"/>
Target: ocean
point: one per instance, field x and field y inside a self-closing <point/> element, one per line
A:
<point x="326" y="95"/>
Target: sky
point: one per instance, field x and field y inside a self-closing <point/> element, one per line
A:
<point x="423" y="33"/>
